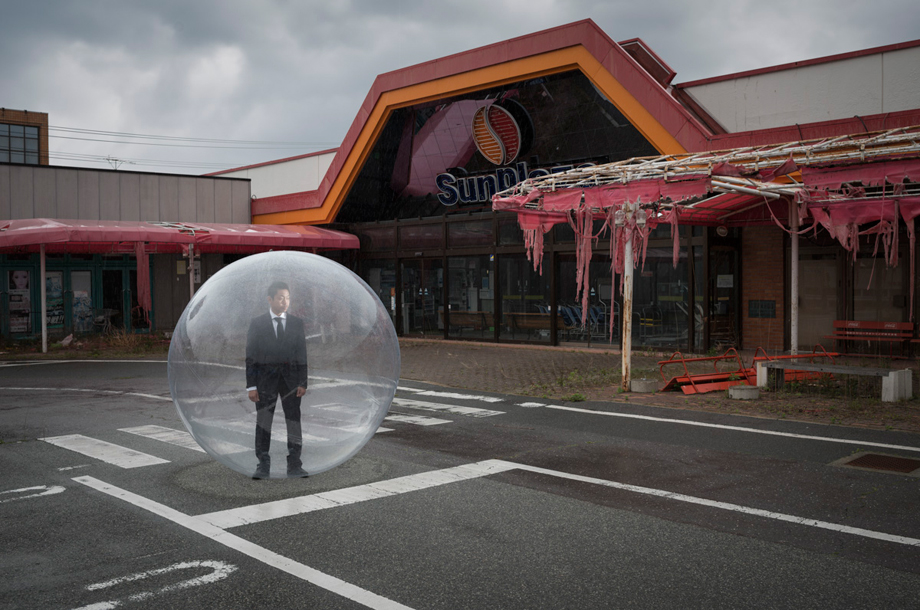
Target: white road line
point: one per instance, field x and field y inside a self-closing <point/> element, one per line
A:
<point x="37" y="362"/>
<point x="39" y="490"/>
<point x="89" y="390"/>
<point x="163" y="434"/>
<point x="686" y="422"/>
<point x="373" y="491"/>
<point x="531" y="405"/>
<point x="836" y="527"/>
<point x="299" y="570"/>
<point x="382" y="429"/>
<point x="257" y="513"/>
<point x="434" y="406"/>
<point x="106" y="452"/>
<point x="418" y="420"/>
<point x="453" y="395"/>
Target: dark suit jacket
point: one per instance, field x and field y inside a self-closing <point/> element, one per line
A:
<point x="268" y="360"/>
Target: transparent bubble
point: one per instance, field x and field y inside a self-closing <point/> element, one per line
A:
<point x="225" y="342"/>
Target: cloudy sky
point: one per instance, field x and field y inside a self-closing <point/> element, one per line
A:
<point x="281" y="78"/>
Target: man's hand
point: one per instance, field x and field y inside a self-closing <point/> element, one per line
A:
<point x="254" y="395"/>
<point x="301" y="391"/>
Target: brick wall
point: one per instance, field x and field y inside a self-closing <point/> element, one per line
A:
<point x="33" y="119"/>
<point x="762" y="271"/>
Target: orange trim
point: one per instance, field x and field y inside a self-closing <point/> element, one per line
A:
<point x="553" y="62"/>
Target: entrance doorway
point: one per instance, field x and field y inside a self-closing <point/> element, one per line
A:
<point x="422" y="288"/>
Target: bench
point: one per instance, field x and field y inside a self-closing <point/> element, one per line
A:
<point x="866" y="330"/>
<point x="896" y="385"/>
<point x="534" y="322"/>
<point x="477" y="320"/>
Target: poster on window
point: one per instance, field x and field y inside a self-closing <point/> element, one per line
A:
<point x="54" y="295"/>
<point x="20" y="301"/>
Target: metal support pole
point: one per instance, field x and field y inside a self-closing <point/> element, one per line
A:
<point x="44" y="292"/>
<point x="627" y="311"/>
<point x="191" y="272"/>
<point x="794" y="280"/>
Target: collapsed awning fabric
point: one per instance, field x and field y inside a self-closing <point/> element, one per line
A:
<point x="121" y="236"/>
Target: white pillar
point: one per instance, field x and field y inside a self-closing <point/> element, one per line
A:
<point x="627" y="311"/>
<point x="43" y="287"/>
<point x="794" y="280"/>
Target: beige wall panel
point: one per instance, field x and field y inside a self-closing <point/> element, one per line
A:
<point x="45" y="193"/>
<point x="88" y="196"/>
<point x="169" y="198"/>
<point x="68" y="193"/>
<point x="150" y="197"/>
<point x="188" y="191"/>
<point x="223" y="205"/>
<point x="5" y="192"/>
<point x="204" y="200"/>
<point x="130" y="203"/>
<point x="109" y="196"/>
<point x="241" y="202"/>
<point x="21" y="192"/>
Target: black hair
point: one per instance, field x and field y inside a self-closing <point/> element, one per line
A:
<point x="275" y="287"/>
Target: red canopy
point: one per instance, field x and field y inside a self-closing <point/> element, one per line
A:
<point x="27" y="235"/>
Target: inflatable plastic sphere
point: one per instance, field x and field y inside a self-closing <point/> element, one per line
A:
<point x="274" y="402"/>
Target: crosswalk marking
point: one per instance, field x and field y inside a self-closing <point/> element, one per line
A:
<point x="452" y="395"/>
<point x="418" y="420"/>
<point x="434" y="406"/>
<point x="372" y="491"/>
<point x="163" y="434"/>
<point x="104" y="451"/>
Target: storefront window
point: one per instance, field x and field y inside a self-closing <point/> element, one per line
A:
<point x="471" y="297"/>
<point x="509" y="231"/>
<point x="601" y="303"/>
<point x="525" y="300"/>
<point x="469" y="233"/>
<point x="380" y="275"/>
<point x="377" y="238"/>
<point x="426" y="236"/>
<point x="661" y="306"/>
<point x="20" y="301"/>
<point x="880" y="293"/>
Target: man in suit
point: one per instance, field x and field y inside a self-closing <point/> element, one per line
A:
<point x="276" y="365"/>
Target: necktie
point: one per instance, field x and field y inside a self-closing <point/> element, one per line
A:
<point x="280" y="331"/>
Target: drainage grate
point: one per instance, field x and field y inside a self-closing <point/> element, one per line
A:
<point x="878" y="461"/>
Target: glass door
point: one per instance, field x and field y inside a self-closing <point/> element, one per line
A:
<point x="422" y="307"/>
<point x="81" y="304"/>
<point x="723" y="300"/>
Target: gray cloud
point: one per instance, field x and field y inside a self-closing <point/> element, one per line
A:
<point x="298" y="71"/>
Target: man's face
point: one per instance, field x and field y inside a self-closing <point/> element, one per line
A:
<point x="279" y="303"/>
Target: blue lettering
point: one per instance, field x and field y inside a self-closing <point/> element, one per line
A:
<point x="448" y="195"/>
<point x="467" y="190"/>
<point x="486" y="186"/>
<point x="507" y="177"/>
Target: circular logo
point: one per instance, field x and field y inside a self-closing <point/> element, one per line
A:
<point x="502" y="131"/>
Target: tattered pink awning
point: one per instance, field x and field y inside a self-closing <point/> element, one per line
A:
<point x="27" y="235"/>
<point x="844" y="185"/>
<point x="144" y="238"/>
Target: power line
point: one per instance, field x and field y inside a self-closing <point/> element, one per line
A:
<point x="123" y="134"/>
<point x="289" y="147"/>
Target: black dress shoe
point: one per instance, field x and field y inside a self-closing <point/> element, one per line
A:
<point x="298" y="473"/>
<point x="262" y="472"/>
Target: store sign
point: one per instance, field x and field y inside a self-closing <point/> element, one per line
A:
<point x="468" y="190"/>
